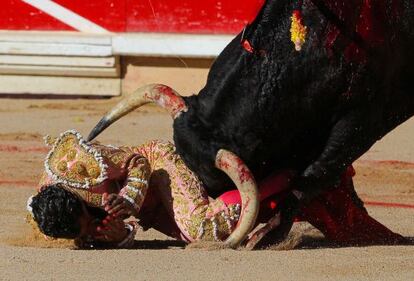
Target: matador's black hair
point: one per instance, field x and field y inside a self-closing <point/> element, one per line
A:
<point x="57" y="212"/>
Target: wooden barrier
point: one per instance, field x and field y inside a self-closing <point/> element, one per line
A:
<point x="73" y="46"/>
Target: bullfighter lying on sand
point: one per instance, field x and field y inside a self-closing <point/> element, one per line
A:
<point x="88" y="189"/>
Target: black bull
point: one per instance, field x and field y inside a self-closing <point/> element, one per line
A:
<point x="314" y="111"/>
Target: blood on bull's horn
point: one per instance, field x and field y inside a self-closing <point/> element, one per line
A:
<point x="237" y="170"/>
<point x="162" y="95"/>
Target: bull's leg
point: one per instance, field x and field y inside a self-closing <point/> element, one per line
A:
<point x="350" y="137"/>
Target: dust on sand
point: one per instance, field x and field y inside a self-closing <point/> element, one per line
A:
<point x="26" y="255"/>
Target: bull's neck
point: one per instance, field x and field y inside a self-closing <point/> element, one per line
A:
<point x="364" y="20"/>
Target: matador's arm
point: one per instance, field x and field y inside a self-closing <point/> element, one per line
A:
<point x="135" y="185"/>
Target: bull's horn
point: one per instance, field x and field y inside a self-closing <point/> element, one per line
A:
<point x="235" y="168"/>
<point x="163" y="95"/>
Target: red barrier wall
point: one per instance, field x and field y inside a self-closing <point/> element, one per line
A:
<point x="177" y="16"/>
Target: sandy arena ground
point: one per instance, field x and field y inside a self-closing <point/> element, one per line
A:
<point x="385" y="174"/>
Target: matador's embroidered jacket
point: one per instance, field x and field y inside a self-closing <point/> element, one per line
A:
<point x="89" y="170"/>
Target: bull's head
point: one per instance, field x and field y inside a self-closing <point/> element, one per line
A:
<point x="226" y="161"/>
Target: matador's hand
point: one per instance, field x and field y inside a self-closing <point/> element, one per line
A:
<point x="112" y="230"/>
<point x="118" y="207"/>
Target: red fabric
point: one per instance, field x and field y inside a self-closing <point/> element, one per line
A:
<point x="335" y="212"/>
<point x="341" y="220"/>
<point x="275" y="184"/>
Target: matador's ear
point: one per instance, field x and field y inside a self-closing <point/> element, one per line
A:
<point x="49" y="141"/>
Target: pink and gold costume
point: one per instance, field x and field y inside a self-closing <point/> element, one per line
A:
<point x="90" y="170"/>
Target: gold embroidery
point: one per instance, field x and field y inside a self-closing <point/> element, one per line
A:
<point x="71" y="147"/>
<point x="62" y="166"/>
<point x="71" y="155"/>
<point x="93" y="172"/>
